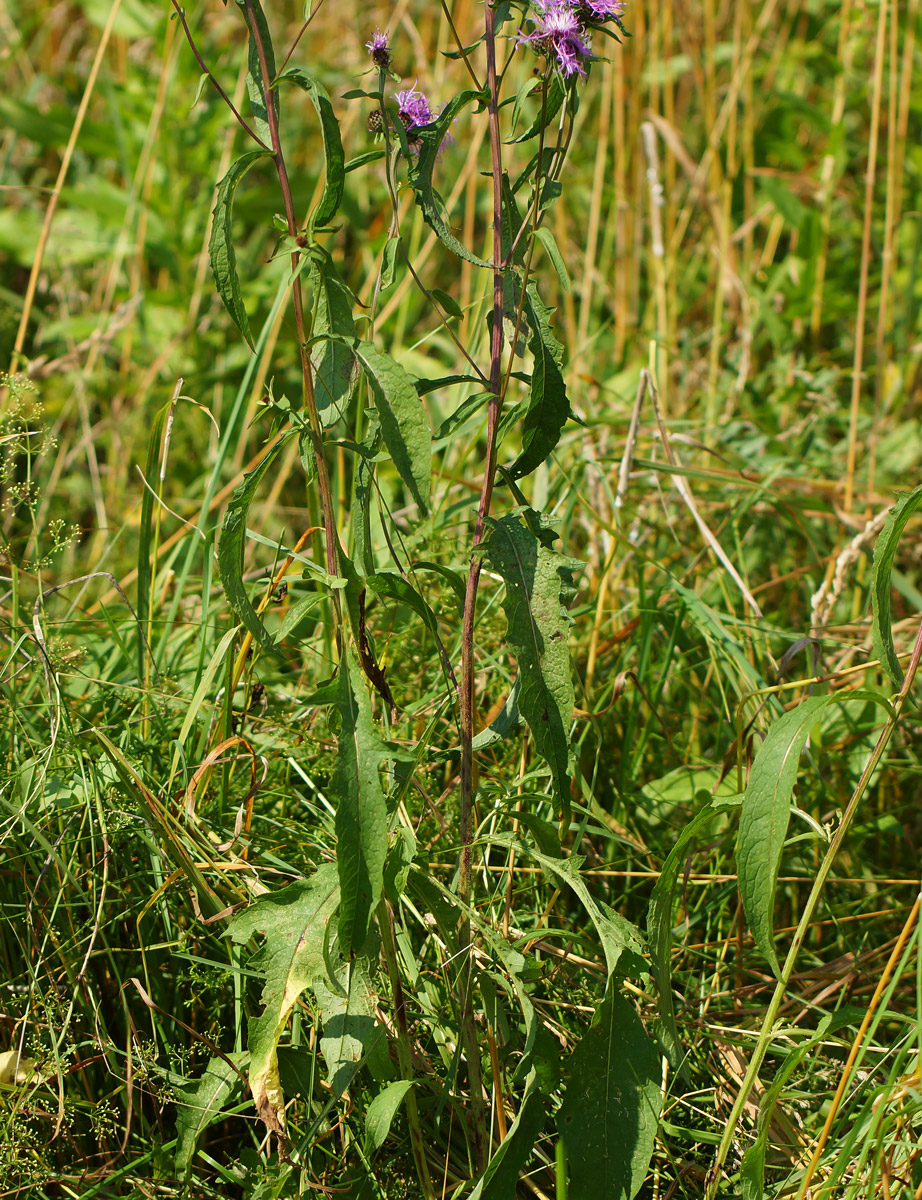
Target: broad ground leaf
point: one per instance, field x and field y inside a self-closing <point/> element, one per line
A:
<point x="361" y="811"/>
<point x="884" y="551"/>
<point x="334" y="362"/>
<point x="548" y="407"/>
<point x="333" y="155"/>
<point x="200" y="1102"/>
<point x="659" y="917"/>
<point x="421" y="168"/>
<point x="536" y="580"/>
<point x="766" y="813"/>
<point x="611" y="1108"/>
<point x="221" y="243"/>
<point x="404" y="424"/>
<point x="294" y="921"/>
<point x="231" y="543"/>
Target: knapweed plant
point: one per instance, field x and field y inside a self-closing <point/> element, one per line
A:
<point x="424" y="980"/>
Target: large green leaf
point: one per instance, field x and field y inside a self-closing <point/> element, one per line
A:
<point x="221" y="243"/>
<point x="884" y="552"/>
<point x="404" y="424"/>
<point x="548" y="406"/>
<point x="361" y="811"/>
<point x="333" y="325"/>
<point x="381" y="1113"/>
<point x="200" y="1102"/>
<point x="333" y="154"/>
<point x="766" y="813"/>
<point x="231" y="543"/>
<point x="537" y="579"/>
<point x="294" y="921"/>
<point x="422" y="166"/>
<point x="659" y="916"/>
<point x="611" y="1109"/>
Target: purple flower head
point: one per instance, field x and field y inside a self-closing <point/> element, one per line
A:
<point x="379" y="50"/>
<point x="558" y="31"/>
<point x="413" y="108"/>
<point x="600" y="10"/>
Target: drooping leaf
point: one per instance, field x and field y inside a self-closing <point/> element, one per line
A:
<point x="499" y="1180"/>
<point x="659" y="917"/>
<point x="200" y="1102"/>
<point x="393" y="586"/>
<point x="422" y="166"/>
<point x="231" y="542"/>
<point x="508" y="719"/>
<point x="547" y="240"/>
<point x="766" y="813"/>
<point x="294" y="921"/>
<point x="884" y="552"/>
<point x="361" y="811"/>
<point x="611" y="1108"/>
<point x="351" y="1036"/>
<point x="404" y="424"/>
<point x="221" y="243"/>
<point x="333" y="154"/>
<point x="381" y="1113"/>
<point x="255" y="82"/>
<point x="536" y="579"/>
<point x="332" y="356"/>
<point x="548" y="406"/>
<point x="622" y="943"/>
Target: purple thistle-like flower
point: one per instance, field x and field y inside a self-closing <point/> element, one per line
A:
<point x="600" y="10"/>
<point x="558" y="31"/>
<point x="379" y="50"/>
<point x="413" y="108"/>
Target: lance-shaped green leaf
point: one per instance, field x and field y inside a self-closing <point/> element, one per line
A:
<point x="361" y="811"/>
<point x="536" y="580"/>
<point x="548" y="407"/>
<point x="231" y="544"/>
<point x="547" y="110"/>
<point x="884" y="552"/>
<point x="333" y="155"/>
<point x="499" y="1180"/>
<point x="381" y="1113"/>
<point x="221" y="243"/>
<point x="403" y="420"/>
<point x="611" y="1109"/>
<point x="659" y="917"/>
<point x="420" y="173"/>
<point x="294" y="921"/>
<point x="200" y="1102"/>
<point x="766" y="813"/>
<point x="255" y="82"/>
<point x="333" y="330"/>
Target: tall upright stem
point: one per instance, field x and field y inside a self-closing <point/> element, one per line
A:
<point x="478" y="1114"/>
<point x="310" y="402"/>
<point x="489" y="474"/>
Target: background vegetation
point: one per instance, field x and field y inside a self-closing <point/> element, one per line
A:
<point x="741" y="218"/>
